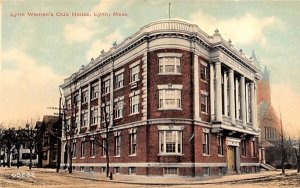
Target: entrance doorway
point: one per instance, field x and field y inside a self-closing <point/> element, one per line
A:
<point x="231" y="159"/>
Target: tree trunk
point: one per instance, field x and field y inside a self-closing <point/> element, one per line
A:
<point x="8" y="159"/>
<point x="70" y="158"/>
<point x="18" y="158"/>
<point x="30" y="157"/>
<point x="107" y="161"/>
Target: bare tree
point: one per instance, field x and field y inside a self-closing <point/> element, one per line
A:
<point x="297" y="155"/>
<point x="9" y="140"/>
<point x="70" y="127"/>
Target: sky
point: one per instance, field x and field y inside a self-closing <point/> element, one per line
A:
<point x="38" y="52"/>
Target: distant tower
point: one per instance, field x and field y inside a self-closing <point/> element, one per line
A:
<point x="264" y="90"/>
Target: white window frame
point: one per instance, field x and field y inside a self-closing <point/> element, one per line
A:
<point x="203" y="71"/>
<point x="177" y="142"/>
<point x="117" y="144"/>
<point x="119" y="107"/>
<point x="220" y="145"/>
<point x="74" y="150"/>
<point x="133" y="142"/>
<point x="82" y="149"/>
<point x="169" y="59"/>
<point x="92" y="148"/>
<point x="94" y="91"/>
<point x="134" y="102"/>
<point x="163" y="91"/>
<point x="134" y="73"/>
<point x="105" y="108"/>
<point x="103" y="154"/>
<point x="119" y="80"/>
<point x="94" y="116"/>
<point x="206" y="142"/>
<point x="204" y="103"/>
<point x="106" y="85"/>
<point x="85" y="96"/>
<point x="84" y="119"/>
<point x="169" y="171"/>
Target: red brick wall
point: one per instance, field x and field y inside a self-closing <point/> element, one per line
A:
<point x="185" y="80"/>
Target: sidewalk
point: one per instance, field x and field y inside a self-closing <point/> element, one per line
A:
<point x="178" y="180"/>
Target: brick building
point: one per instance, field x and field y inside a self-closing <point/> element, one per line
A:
<point x="178" y="102"/>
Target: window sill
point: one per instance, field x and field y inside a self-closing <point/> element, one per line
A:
<point x="94" y="98"/>
<point x="134" y="114"/>
<point x="133" y="82"/>
<point x="116" y="89"/>
<point x="132" y="155"/>
<point x="206" y="155"/>
<point x="93" y="124"/>
<point x="220" y="155"/>
<point x="167" y="74"/>
<point x="82" y="157"/>
<point x="162" y="109"/>
<point x="170" y="154"/>
<point x="84" y="103"/>
<point x="92" y="157"/>
<point x="205" y="113"/>
<point x="118" y="118"/>
<point x="205" y="81"/>
<point x="117" y="156"/>
<point x="104" y="156"/>
<point x="104" y="94"/>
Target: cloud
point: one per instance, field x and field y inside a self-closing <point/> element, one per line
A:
<point x="289" y="101"/>
<point x="28" y="88"/>
<point x="84" y="28"/>
<point x="106" y="43"/>
<point x="243" y="30"/>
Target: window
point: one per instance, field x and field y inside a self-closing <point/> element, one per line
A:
<point x="205" y="143"/>
<point x="68" y="104"/>
<point x="170" y="99"/>
<point x="117" y="170"/>
<point x="221" y="170"/>
<point x="131" y="170"/>
<point x="106" y="86"/>
<point x="220" y="145"/>
<point x="134" y="73"/>
<point x="119" y="108"/>
<point x="170" y="142"/>
<point x="94" y="116"/>
<point x="92" y="148"/>
<point x="169" y="65"/>
<point x="105" y="109"/>
<point x="253" y="148"/>
<point x="117" y="145"/>
<point x="84" y="119"/>
<point x="82" y="168"/>
<point x="171" y="171"/>
<point x="77" y="120"/>
<point x="206" y="171"/>
<point x="134" y="103"/>
<point x="94" y="91"/>
<point x="244" y="147"/>
<point x="203" y="72"/>
<point x="82" y="153"/>
<point x="103" y="154"/>
<point x="103" y="169"/>
<point x="45" y="155"/>
<point x="119" y="81"/>
<point x="204" y="104"/>
<point x="92" y="169"/>
<point x="76" y="100"/>
<point x="84" y="97"/>
<point x="74" y="149"/>
<point x="133" y="142"/>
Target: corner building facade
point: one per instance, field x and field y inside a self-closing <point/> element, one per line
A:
<point x="178" y="101"/>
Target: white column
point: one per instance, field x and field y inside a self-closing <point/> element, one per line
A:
<point x="89" y="107"/>
<point x="231" y="96"/>
<point x="196" y="88"/>
<point x="111" y="98"/>
<point x="225" y="93"/>
<point x="243" y="101"/>
<point x="79" y="111"/>
<point x="99" y="103"/>
<point x="218" y="92"/>
<point x="212" y="92"/>
<point x="237" y="98"/>
<point x="247" y="102"/>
